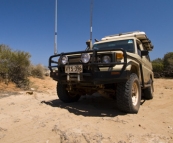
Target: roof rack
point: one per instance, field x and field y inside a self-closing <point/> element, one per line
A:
<point x="133" y="32"/>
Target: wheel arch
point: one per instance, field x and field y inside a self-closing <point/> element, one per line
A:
<point x="134" y="67"/>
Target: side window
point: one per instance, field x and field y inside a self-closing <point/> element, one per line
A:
<point x="138" y="48"/>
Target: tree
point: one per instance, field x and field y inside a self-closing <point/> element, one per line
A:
<point x="168" y="61"/>
<point x="157" y="65"/>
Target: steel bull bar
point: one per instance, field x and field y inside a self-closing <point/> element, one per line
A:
<point x="93" y="62"/>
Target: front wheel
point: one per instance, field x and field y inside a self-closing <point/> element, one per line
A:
<point x="129" y="95"/>
<point x="66" y="96"/>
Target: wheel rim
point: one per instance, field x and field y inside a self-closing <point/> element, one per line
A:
<point x="135" y="94"/>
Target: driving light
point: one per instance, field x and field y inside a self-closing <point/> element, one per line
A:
<point x="106" y="59"/>
<point x="64" y="59"/>
<point x="85" y="57"/>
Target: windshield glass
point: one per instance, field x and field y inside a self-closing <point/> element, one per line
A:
<point x="127" y="45"/>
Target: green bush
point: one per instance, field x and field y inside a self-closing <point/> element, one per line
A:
<point x="5" y="57"/>
<point x="157" y="67"/>
<point x="37" y="71"/>
<point x="168" y="61"/>
<point x="15" y="64"/>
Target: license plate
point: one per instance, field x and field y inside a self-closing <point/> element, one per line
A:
<point x="73" y="69"/>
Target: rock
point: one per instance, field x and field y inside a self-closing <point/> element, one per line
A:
<point x="17" y="120"/>
<point x="2" y="129"/>
<point x="32" y="89"/>
<point x="170" y="127"/>
<point x="29" y="92"/>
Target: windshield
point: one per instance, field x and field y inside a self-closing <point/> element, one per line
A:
<point x="127" y="45"/>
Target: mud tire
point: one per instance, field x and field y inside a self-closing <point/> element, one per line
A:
<point x="64" y="95"/>
<point x="126" y="101"/>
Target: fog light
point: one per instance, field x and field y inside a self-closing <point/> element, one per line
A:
<point x="106" y="59"/>
<point x="85" y="57"/>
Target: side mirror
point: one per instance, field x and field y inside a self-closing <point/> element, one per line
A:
<point x="144" y="53"/>
<point x="89" y="44"/>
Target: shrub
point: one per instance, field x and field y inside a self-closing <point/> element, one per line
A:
<point x="157" y="67"/>
<point x="168" y="61"/>
<point x="5" y="57"/>
<point x="37" y="71"/>
<point x="15" y="64"/>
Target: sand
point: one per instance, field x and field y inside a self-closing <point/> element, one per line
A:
<point x="42" y="118"/>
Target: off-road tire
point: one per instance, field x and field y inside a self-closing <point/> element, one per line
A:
<point x="64" y="95"/>
<point x="124" y="95"/>
<point x="148" y="92"/>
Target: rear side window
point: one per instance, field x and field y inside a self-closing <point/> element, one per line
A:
<point x="138" y="49"/>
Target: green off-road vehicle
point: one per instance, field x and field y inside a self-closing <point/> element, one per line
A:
<point x="117" y="66"/>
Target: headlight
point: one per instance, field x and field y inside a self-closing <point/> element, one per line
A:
<point x="106" y="59"/>
<point x="64" y="60"/>
<point x="85" y="57"/>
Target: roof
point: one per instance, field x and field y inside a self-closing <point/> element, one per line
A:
<point x="139" y="35"/>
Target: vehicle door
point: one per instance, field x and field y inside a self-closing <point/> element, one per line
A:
<point x="144" y="62"/>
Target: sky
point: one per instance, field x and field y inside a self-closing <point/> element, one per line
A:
<point x="28" y="25"/>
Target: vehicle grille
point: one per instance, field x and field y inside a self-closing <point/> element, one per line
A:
<point x="74" y="60"/>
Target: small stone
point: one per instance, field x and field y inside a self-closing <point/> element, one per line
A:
<point x="12" y="103"/>
<point x="29" y="92"/>
<point x="17" y="120"/>
<point x="170" y="127"/>
<point x="32" y="89"/>
<point x="1" y="129"/>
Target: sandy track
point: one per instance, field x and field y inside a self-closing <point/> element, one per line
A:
<point x="43" y="118"/>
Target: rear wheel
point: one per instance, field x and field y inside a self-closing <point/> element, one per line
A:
<point x="129" y="95"/>
<point x="66" y="96"/>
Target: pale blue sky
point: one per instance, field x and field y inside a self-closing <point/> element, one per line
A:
<point x="28" y="25"/>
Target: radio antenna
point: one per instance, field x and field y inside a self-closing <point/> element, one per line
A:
<point x="55" y="42"/>
<point x="91" y="17"/>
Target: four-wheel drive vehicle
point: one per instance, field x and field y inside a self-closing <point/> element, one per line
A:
<point x="117" y="65"/>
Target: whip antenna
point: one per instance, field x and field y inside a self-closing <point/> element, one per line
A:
<point x="91" y="17"/>
<point x="55" y="42"/>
